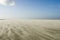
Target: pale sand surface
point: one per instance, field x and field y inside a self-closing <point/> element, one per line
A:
<point x="29" y="29"/>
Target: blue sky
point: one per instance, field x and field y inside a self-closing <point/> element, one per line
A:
<point x="31" y="9"/>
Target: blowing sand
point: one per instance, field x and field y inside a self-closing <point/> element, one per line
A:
<point x="29" y="29"/>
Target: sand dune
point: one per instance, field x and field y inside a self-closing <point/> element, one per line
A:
<point x="29" y="29"/>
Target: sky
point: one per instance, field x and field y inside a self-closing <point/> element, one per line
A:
<point x="30" y="9"/>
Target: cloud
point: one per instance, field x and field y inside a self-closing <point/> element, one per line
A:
<point x="7" y="2"/>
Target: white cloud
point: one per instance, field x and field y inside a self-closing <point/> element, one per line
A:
<point x="7" y="2"/>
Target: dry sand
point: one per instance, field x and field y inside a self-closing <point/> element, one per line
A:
<point x="29" y="29"/>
